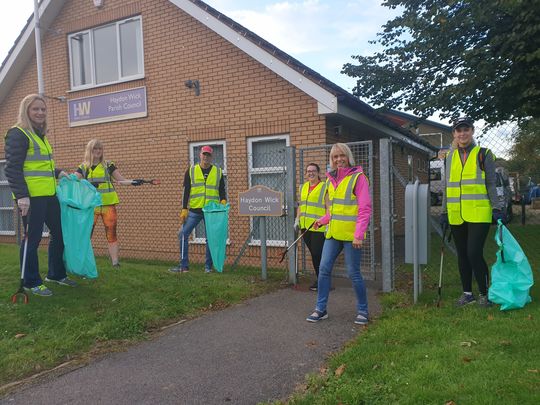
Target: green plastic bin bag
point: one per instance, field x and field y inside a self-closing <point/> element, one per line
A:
<point x="78" y="198"/>
<point x="511" y="275"/>
<point x="216" y="220"/>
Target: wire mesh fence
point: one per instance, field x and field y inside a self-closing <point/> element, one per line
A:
<point x="363" y="156"/>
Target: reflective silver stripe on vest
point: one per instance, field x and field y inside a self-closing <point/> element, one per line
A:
<point x="212" y="187"/>
<point x="303" y="214"/>
<point x="473" y="181"/>
<point x="98" y="179"/>
<point x="312" y="204"/>
<point x="105" y="190"/>
<point x="196" y="195"/>
<point x="197" y="185"/>
<point x="38" y="173"/>
<point x="344" y="217"/>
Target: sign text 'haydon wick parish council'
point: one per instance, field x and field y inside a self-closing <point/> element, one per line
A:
<point x="120" y="105"/>
<point x="260" y="201"/>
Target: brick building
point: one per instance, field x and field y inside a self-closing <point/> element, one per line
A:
<point x="171" y="76"/>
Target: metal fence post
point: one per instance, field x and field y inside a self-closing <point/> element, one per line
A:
<point x="386" y="216"/>
<point x="290" y="204"/>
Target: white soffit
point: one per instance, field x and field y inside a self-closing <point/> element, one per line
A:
<point x="355" y="115"/>
<point x="327" y="102"/>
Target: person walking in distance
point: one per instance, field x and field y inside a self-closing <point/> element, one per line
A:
<point x="311" y="208"/>
<point x="347" y="220"/>
<point x="470" y="202"/>
<point x="31" y="175"/>
<point x="203" y="182"/>
<point x="102" y="174"/>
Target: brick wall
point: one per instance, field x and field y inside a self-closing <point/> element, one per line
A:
<point x="239" y="98"/>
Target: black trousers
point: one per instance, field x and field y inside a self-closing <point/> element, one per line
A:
<point x="43" y="210"/>
<point x="315" y="242"/>
<point x="469" y="239"/>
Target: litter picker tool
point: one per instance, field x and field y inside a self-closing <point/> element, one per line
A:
<point x="439" y="292"/>
<point x="295" y="242"/>
<point x="154" y="182"/>
<point x="21" y="293"/>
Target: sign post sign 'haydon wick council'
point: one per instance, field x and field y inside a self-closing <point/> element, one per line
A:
<point x="260" y="201"/>
<point x="117" y="106"/>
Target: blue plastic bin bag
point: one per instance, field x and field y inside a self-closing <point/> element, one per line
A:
<point x="511" y="275"/>
<point x="216" y="219"/>
<point x="78" y="198"/>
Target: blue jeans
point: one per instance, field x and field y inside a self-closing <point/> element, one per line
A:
<point x="191" y="222"/>
<point x="43" y="210"/>
<point x="332" y="248"/>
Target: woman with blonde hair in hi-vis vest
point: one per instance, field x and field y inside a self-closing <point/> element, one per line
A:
<point x="31" y="175"/>
<point x="347" y="220"/>
<point x="102" y="174"/>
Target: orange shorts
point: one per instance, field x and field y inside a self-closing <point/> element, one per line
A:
<point x="109" y="218"/>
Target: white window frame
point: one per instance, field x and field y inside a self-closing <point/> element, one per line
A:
<point x="121" y="79"/>
<point x="12" y="208"/>
<point x="266" y="170"/>
<point x="192" y="146"/>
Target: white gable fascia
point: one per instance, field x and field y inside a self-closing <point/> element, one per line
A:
<point x="326" y="101"/>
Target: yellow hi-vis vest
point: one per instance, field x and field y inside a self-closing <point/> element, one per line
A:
<point x="38" y="166"/>
<point x="312" y="205"/>
<point x="466" y="193"/>
<point x="343" y="208"/>
<point x="201" y="191"/>
<point x="101" y="175"/>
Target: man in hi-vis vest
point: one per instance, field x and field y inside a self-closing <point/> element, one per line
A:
<point x="203" y="183"/>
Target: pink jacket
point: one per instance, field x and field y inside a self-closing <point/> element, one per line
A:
<point x="361" y="191"/>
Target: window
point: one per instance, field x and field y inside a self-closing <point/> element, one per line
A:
<point x="435" y="174"/>
<point x="108" y="54"/>
<point x="219" y="160"/>
<point x="7" y="224"/>
<point x="267" y="167"/>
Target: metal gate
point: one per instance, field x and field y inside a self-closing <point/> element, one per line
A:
<point x="363" y="156"/>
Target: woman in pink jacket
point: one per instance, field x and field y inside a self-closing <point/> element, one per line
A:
<point x="347" y="217"/>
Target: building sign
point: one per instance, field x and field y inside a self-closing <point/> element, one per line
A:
<point x="260" y="201"/>
<point x="117" y="106"/>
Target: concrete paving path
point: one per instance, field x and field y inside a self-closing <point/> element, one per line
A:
<point x="253" y="352"/>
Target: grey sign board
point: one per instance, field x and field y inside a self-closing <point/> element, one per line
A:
<point x="260" y="201"/>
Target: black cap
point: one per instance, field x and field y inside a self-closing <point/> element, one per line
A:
<point x="463" y="121"/>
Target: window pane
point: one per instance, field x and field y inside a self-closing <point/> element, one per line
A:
<point x="80" y="59"/>
<point x="269" y="153"/>
<point x="106" y="54"/>
<point x="131" y="48"/>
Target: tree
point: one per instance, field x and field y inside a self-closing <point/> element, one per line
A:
<point x="474" y="57"/>
<point x="525" y="152"/>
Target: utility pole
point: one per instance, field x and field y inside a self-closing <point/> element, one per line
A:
<point x="39" y="61"/>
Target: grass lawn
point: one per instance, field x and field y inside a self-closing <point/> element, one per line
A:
<point x="118" y="308"/>
<point x="427" y="355"/>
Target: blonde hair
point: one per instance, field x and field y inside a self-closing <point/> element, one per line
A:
<point x="342" y="148"/>
<point x="88" y="155"/>
<point x="23" y="120"/>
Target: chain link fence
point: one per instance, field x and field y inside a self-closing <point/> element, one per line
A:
<point x="363" y="156"/>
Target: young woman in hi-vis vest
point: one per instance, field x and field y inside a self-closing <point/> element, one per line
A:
<point x="470" y="202"/>
<point x="312" y="207"/>
<point x="32" y="175"/>
<point x="347" y="220"/>
<point x="103" y="174"/>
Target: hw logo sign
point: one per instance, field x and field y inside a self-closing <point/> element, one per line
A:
<point x="82" y="109"/>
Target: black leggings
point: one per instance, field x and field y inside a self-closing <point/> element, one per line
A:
<point x="315" y="242"/>
<point x="469" y="239"/>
